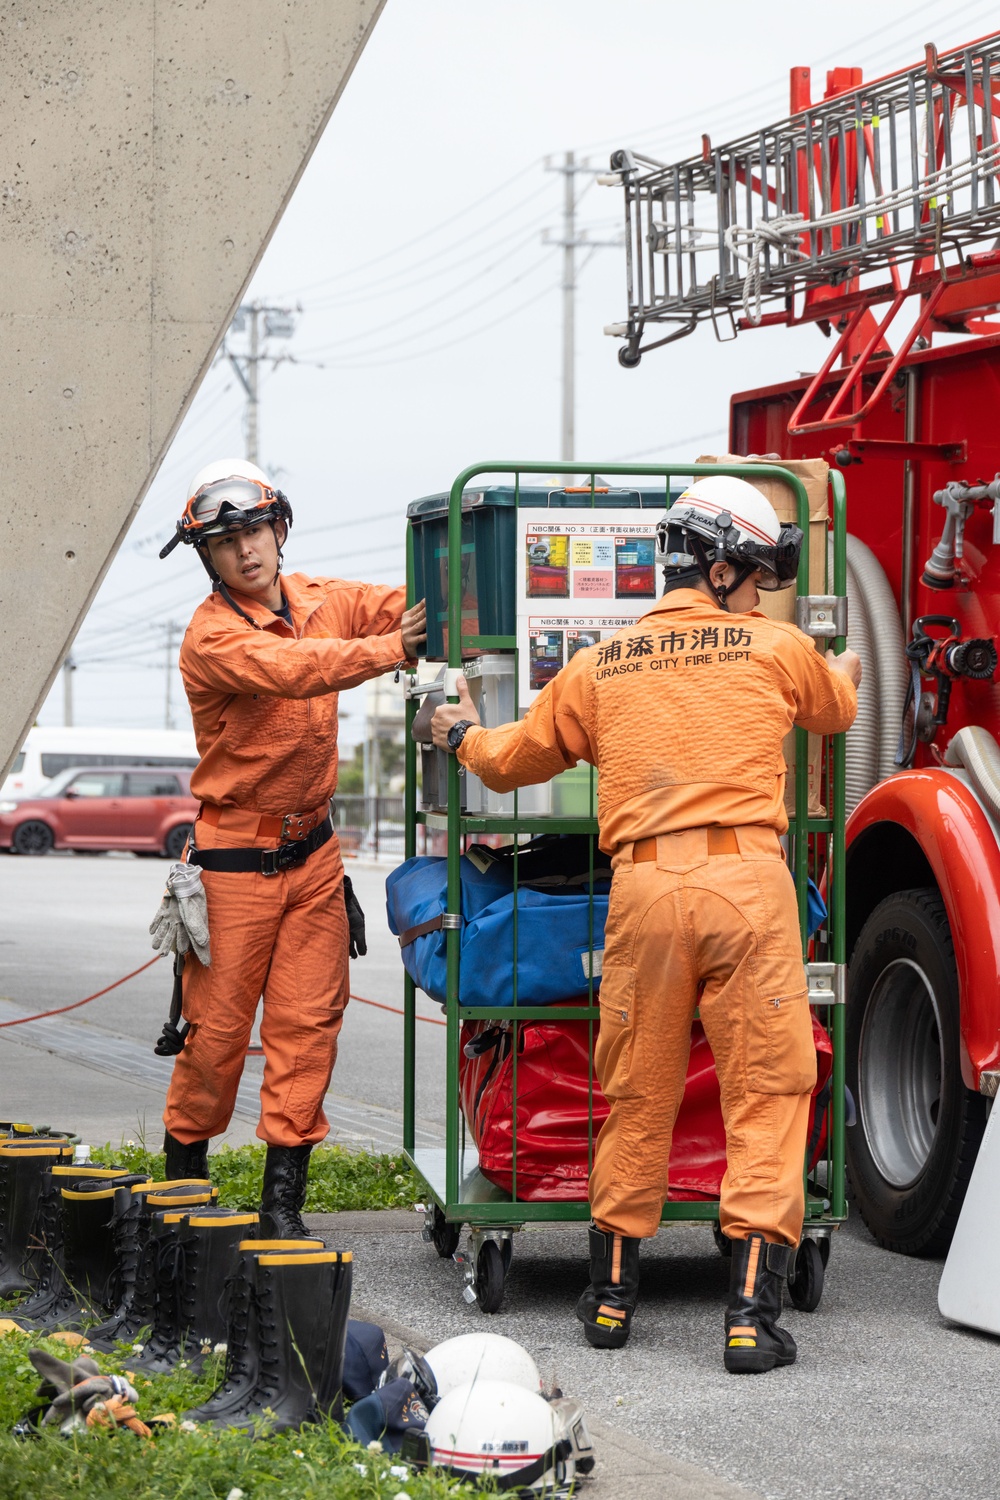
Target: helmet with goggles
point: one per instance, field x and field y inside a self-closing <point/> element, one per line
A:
<point x="725" y="519"/>
<point x="228" y="495"/>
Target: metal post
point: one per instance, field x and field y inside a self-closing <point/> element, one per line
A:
<point x="569" y="310"/>
<point x="909" y="502"/>
<point x="168" y="707"/>
<point x="69" y="667"/>
<point x="253" y="365"/>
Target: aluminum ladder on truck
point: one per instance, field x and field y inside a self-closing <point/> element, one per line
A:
<point x="457" y="1194"/>
<point x="883" y="191"/>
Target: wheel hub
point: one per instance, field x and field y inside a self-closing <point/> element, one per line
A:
<point x="900" y="1067"/>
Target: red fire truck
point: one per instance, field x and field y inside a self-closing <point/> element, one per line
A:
<point x="875" y="215"/>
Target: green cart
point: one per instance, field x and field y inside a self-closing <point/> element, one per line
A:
<point x="460" y="555"/>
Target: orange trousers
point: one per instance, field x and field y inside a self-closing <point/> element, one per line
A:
<point x="719" y="932"/>
<point x="283" y="937"/>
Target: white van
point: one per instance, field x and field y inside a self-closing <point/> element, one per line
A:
<point x="46" y="752"/>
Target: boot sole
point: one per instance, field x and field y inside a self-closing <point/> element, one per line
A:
<point x="605" y="1338"/>
<point x="754" y="1361"/>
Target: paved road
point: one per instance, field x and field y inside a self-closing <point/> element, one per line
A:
<point x="72" y="924"/>
<point x="886" y="1400"/>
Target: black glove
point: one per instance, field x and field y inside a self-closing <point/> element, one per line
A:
<point x="355" y="921"/>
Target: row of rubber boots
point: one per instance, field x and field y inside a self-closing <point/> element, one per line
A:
<point x="754" y="1342"/>
<point x="112" y="1253"/>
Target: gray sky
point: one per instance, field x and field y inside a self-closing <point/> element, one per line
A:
<point x="414" y="246"/>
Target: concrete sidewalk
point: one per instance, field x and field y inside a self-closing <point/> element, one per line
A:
<point x="625" y="1466"/>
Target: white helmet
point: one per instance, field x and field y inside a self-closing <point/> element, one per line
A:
<point x="481" y="1356"/>
<point x="725" y="519"/>
<point x="499" y="1429"/>
<point x="227" y="495"/>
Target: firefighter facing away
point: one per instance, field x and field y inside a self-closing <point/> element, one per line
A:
<point x="262" y="663"/>
<point x="684" y="714"/>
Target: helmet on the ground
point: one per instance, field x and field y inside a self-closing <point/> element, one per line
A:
<point x="725" y="519"/>
<point x="496" y="1428"/>
<point x="472" y="1357"/>
<point x="228" y="495"/>
<point x="570" y="1412"/>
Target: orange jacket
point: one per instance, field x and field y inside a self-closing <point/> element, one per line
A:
<point x="264" y="701"/>
<point x="684" y="714"/>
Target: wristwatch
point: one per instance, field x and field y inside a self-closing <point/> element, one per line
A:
<point x="457" y="732"/>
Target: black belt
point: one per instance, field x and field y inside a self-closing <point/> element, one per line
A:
<point x="263" y="861"/>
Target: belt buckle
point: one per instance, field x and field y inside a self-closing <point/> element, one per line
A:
<point x="285" y="857"/>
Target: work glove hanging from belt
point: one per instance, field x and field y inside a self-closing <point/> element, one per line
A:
<point x="181" y="924"/>
<point x="355" y="921"/>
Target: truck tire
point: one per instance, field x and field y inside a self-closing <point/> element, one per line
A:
<point x="911" y="1153"/>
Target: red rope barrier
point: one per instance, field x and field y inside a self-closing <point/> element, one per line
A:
<point x="431" y="1020"/>
<point x="61" y="1011"/>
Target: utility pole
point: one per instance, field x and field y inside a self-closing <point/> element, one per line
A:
<point x="168" y="708"/>
<point x="279" y="323"/>
<point x="69" y="667"/>
<point x="570" y="242"/>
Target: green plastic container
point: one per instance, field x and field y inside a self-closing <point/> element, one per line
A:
<point x="489" y="545"/>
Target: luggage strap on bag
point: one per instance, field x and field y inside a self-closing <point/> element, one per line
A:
<point x="443" y="921"/>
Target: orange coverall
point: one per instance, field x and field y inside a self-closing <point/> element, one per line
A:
<point x="264" y="705"/>
<point x="684" y="713"/>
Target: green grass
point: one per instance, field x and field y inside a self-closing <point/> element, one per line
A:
<point x="317" y="1463"/>
<point x="338" y="1179"/>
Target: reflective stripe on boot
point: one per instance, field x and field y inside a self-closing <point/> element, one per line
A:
<point x="754" y="1342"/>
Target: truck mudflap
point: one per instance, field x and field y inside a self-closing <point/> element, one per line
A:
<point x="958" y="844"/>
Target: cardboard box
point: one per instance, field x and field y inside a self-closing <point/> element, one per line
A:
<point x="814" y="474"/>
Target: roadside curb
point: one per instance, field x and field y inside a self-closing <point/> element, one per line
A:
<point x="625" y="1465"/>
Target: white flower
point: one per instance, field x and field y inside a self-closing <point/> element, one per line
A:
<point x="399" y="1471"/>
<point x="619" y="1400"/>
<point x="235" y="1494"/>
<point x="187" y="1426"/>
<point x="298" y="1453"/>
<point x="138" y="1348"/>
<point x="399" y="1177"/>
<point x="361" y="1469"/>
<point x="374" y="1446"/>
<point x="402" y="1495"/>
<point x="221" y="1349"/>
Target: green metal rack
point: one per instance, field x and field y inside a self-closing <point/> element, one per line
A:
<point x="456" y="1192"/>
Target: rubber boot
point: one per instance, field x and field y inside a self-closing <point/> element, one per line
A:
<point x="286" y="1169"/>
<point x="242" y="1362"/>
<point x="191" y="1317"/>
<point x="55" y="1243"/>
<point x="184" y="1162"/>
<point x="754" y="1342"/>
<point x="133" y="1294"/>
<point x="302" y="1303"/>
<point x="605" y="1309"/>
<point x="23" y="1164"/>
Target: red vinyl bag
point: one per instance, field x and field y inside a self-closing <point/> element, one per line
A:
<point x="554" y="1109"/>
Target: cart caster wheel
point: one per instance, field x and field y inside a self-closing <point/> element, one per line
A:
<point x="723" y="1243"/>
<point x="444" y="1236"/>
<point x="507" y="1254"/>
<point x="806" y="1287"/>
<point x="627" y="358"/>
<point x="490" y="1272"/>
<point x="824" y="1250"/>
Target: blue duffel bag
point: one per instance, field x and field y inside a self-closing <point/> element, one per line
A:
<point x="553" y="933"/>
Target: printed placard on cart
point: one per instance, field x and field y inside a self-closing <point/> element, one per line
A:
<point x="583" y="574"/>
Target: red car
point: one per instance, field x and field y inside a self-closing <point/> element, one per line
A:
<point x="149" y="810"/>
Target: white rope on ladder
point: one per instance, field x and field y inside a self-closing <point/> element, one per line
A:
<point x="785" y="232"/>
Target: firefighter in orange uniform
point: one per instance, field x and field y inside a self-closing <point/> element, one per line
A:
<point x="684" y="713"/>
<point x="262" y="662"/>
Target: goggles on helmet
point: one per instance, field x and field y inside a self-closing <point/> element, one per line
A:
<point x="777" y="562"/>
<point x="228" y="505"/>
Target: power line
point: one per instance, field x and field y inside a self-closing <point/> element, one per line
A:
<point x="426" y="233"/>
